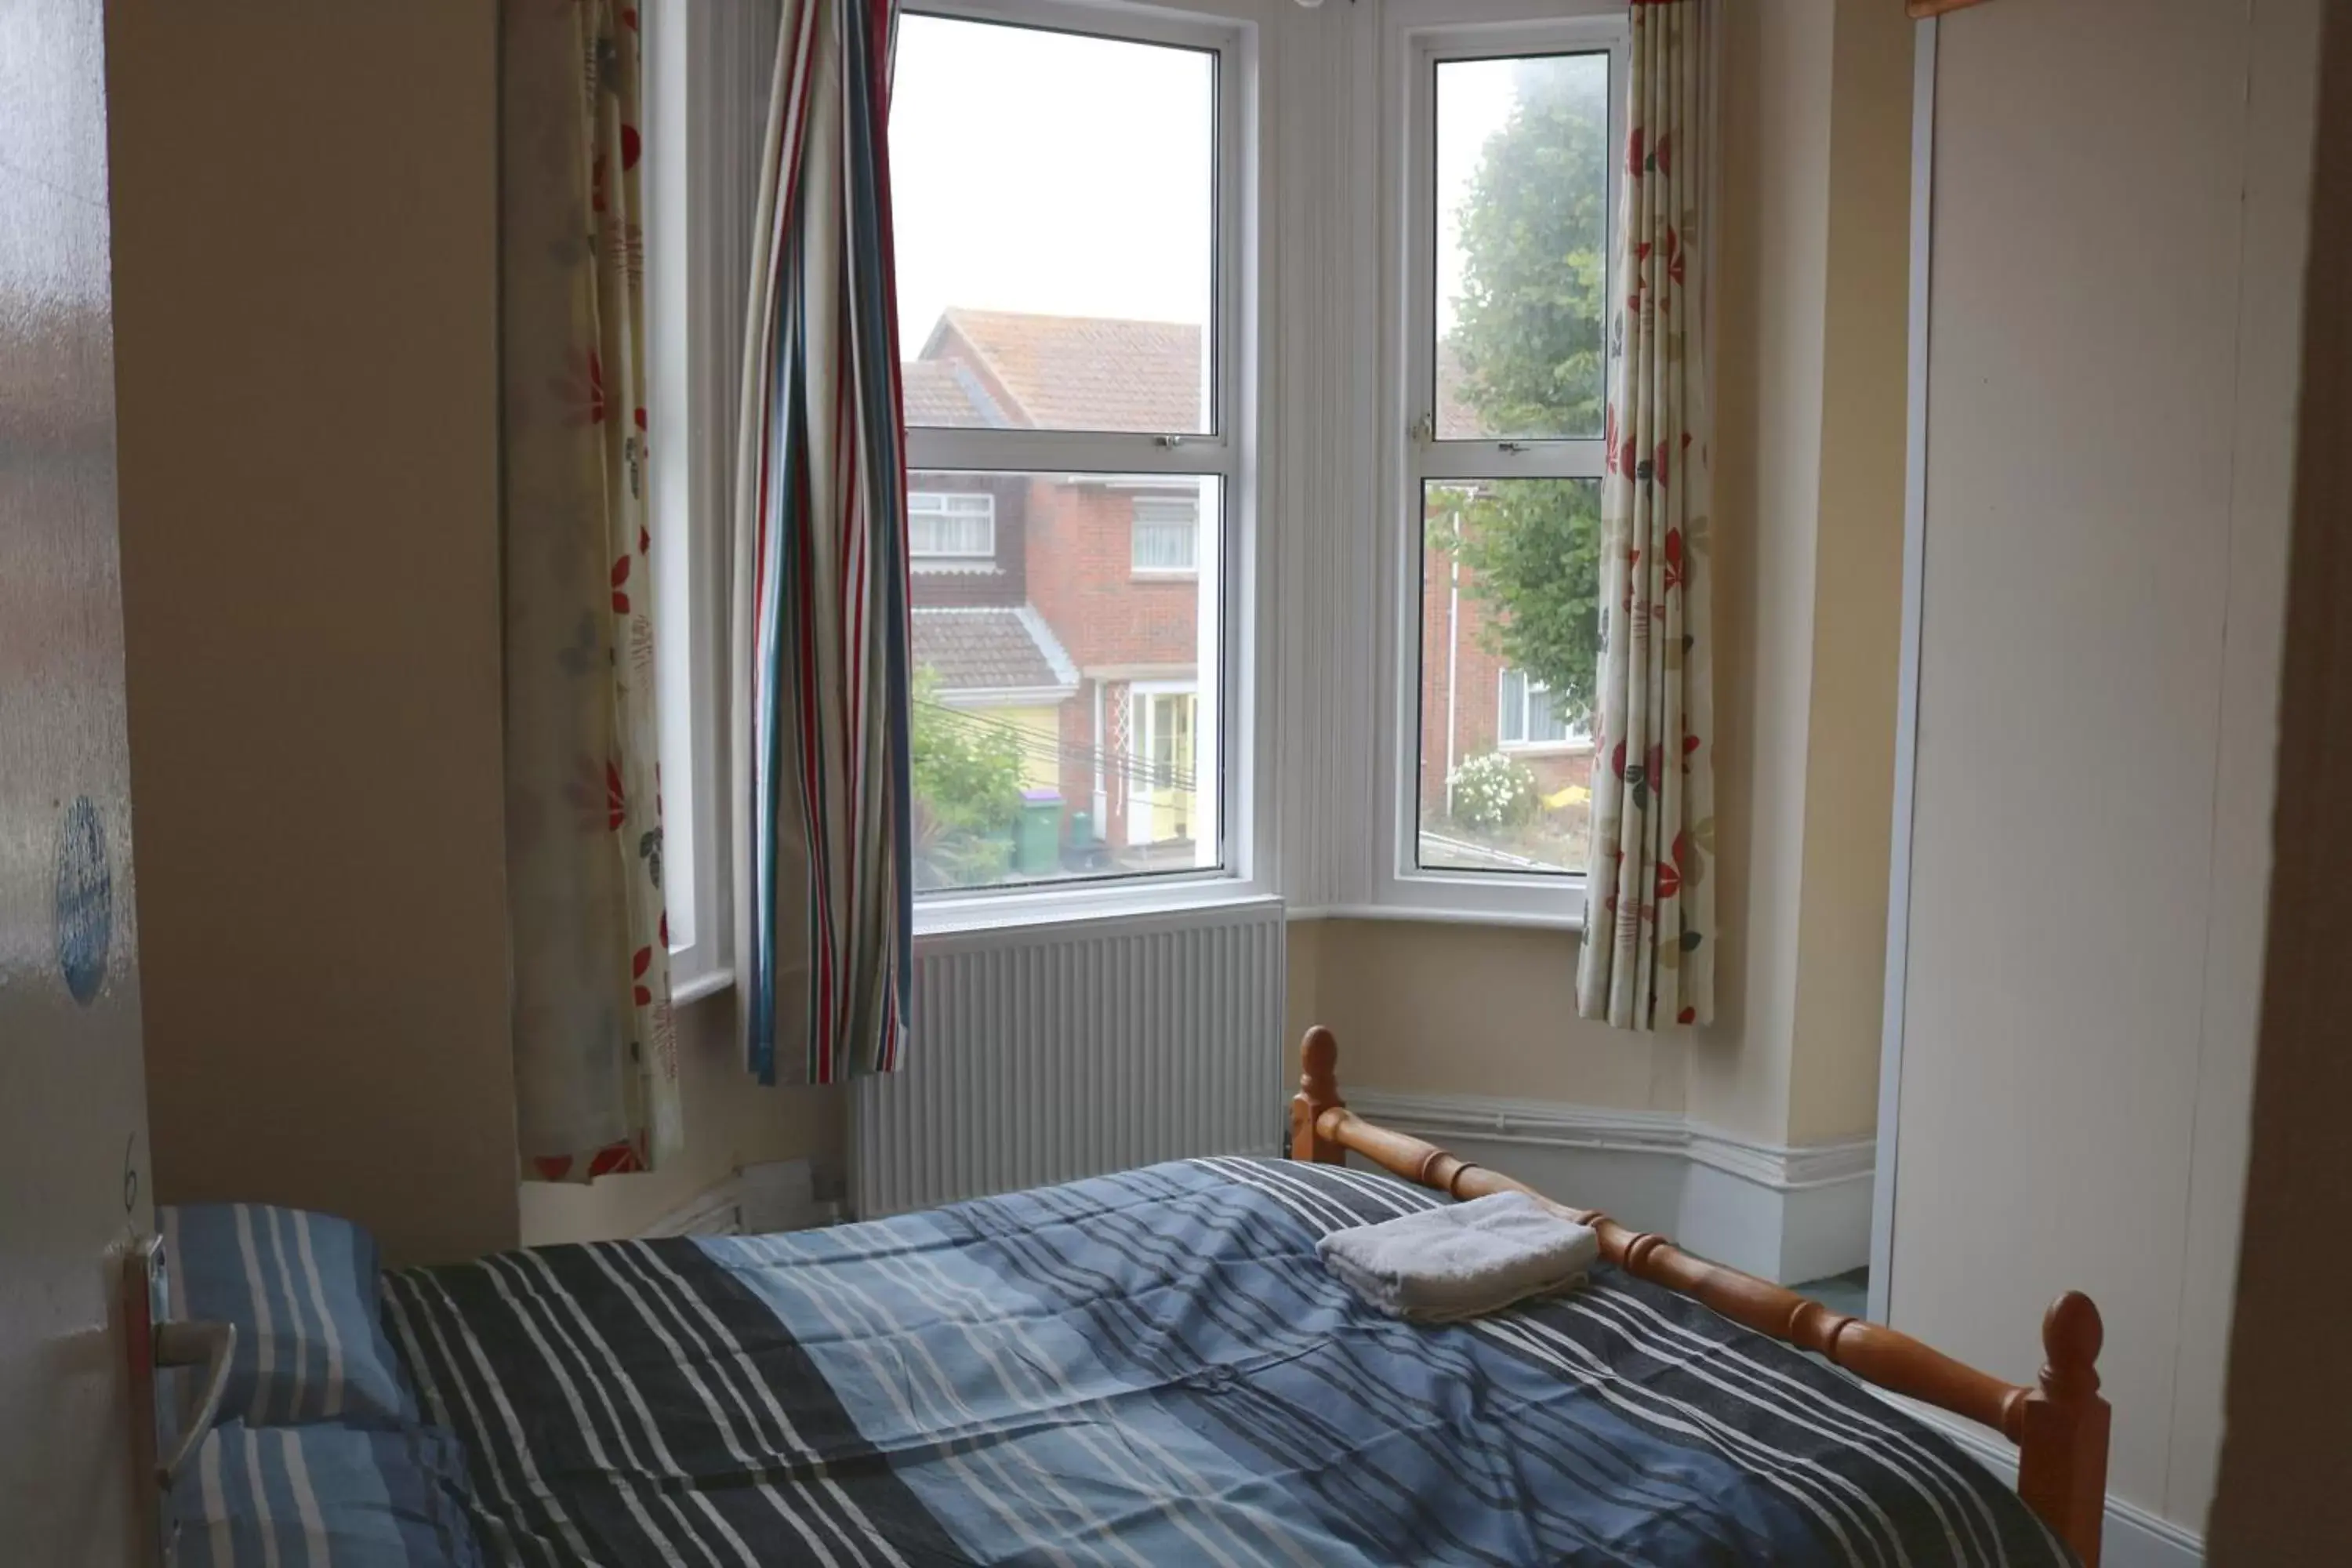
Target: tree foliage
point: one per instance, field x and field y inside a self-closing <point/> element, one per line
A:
<point x="967" y="772"/>
<point x="1530" y="339"/>
<point x="1533" y="548"/>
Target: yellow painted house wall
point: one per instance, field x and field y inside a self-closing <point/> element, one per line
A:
<point x="1041" y="766"/>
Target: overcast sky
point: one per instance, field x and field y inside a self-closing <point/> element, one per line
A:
<point x="1046" y="172"/>
<point x="1473" y="99"/>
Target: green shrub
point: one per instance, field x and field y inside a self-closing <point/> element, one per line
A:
<point x="1493" y="791"/>
<point x="967" y="770"/>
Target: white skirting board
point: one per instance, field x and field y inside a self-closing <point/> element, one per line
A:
<point x="755" y="1201"/>
<point x="1786" y="1213"/>
<point x="2131" y="1538"/>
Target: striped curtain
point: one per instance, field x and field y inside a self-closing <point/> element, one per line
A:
<point x="1647" y="959"/>
<point x="596" y="1049"/>
<point x="824" y="894"/>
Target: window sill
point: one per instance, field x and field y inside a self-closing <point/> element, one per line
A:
<point x="701" y="986"/>
<point x="1543" y="748"/>
<point x="1155" y="574"/>
<point x="1426" y="914"/>
<point x="973" y="921"/>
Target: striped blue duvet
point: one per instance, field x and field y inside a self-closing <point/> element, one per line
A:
<point x="1144" y="1369"/>
<point x="322" y="1493"/>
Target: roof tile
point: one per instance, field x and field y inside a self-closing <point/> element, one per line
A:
<point x="944" y="393"/>
<point x="1075" y="372"/>
<point x="991" y="649"/>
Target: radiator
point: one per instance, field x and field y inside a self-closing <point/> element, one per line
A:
<point x="1046" y="1055"/>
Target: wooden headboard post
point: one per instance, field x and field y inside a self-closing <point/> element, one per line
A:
<point x="2060" y="1426"/>
<point x="1319" y="1092"/>
<point x="2061" y="1445"/>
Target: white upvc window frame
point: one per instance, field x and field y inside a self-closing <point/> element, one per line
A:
<point x="692" y="358"/>
<point x="1417" y="35"/>
<point x="708" y="75"/>
<point x="920" y="559"/>
<point x="1237" y="804"/>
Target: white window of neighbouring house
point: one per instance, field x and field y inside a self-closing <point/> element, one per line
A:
<point x="1528" y="716"/>
<point x="1067" y="187"/>
<point x="1167" y="535"/>
<point x="948" y="527"/>
<point x="1504" y="137"/>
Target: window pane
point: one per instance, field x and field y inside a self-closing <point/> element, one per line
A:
<point x="1522" y="246"/>
<point x="1167" y="533"/>
<point x="1509" y="641"/>
<point x="951" y="526"/>
<point x="1066" y="709"/>
<point x="1513" y="723"/>
<point x="1543" y="725"/>
<point x="1053" y="203"/>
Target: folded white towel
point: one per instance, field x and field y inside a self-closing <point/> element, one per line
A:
<point x="1460" y="1260"/>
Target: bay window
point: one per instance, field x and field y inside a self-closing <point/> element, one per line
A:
<point x="1066" y="188"/>
<point x="1501" y="149"/>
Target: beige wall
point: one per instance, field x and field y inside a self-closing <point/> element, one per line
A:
<point x="1772" y="252"/>
<point x="1459" y="1009"/>
<point x="2109" y="457"/>
<point x="306" y="308"/>
<point x="307" y="315"/>
<point x="1302" y="980"/>
<point x="1857" y="595"/>
<point x="1809" y="553"/>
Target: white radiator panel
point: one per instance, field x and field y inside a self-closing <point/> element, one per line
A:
<point x="1046" y="1055"/>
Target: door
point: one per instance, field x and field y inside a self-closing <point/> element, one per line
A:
<point x="1159" y="808"/>
<point x="73" y="1120"/>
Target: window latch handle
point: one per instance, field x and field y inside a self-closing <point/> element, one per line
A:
<point x="1168" y="442"/>
<point x="1510" y="446"/>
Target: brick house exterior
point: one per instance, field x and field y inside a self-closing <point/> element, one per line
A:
<point x="1064" y="550"/>
<point x="1057" y="634"/>
<point x="1463" y="680"/>
<point x="1462" y="692"/>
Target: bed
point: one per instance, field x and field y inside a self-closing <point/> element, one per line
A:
<point x="1145" y="1368"/>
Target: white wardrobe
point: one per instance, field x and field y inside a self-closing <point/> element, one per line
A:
<point x="2110" y="204"/>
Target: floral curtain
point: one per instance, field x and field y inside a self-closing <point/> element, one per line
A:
<point x="1648" y="954"/>
<point x="595" y="1052"/>
<point x="823" y="896"/>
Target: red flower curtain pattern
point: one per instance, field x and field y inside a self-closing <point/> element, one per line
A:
<point x="595" y="1051"/>
<point x="1647" y="959"/>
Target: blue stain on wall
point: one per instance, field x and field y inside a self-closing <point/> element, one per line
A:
<point x="84" y="908"/>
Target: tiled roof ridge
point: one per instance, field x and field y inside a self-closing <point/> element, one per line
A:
<point x="1040" y="370"/>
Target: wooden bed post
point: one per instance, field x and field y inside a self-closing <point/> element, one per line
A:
<point x="2060" y="1426"/>
<point x="2062" y="1459"/>
<point x="1319" y="1092"/>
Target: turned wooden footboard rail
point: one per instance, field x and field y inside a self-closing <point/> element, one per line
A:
<point x="2060" y="1426"/>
